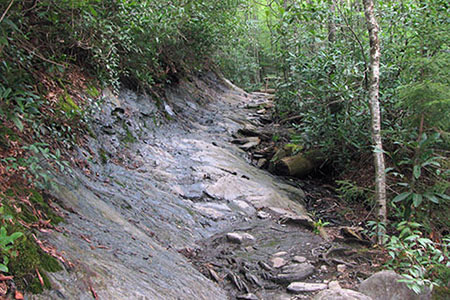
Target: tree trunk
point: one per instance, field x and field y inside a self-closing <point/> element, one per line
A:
<point x="374" y="83"/>
<point x="331" y="23"/>
<point x="299" y="165"/>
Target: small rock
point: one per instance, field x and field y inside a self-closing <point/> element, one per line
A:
<point x="240" y="238"/>
<point x="244" y="206"/>
<point x="385" y="285"/>
<point x="341" y="268"/>
<point x="214" y="275"/>
<point x="262" y="214"/>
<point x="281" y="253"/>
<point x="294" y="272"/>
<point x="299" y="259"/>
<point x="168" y="110"/>
<point x="302" y="287"/>
<point x="252" y="142"/>
<point x="265" y="266"/>
<point x="334" y="285"/>
<point x="278" y="262"/>
<point x="323" y="269"/>
<point x="261" y="163"/>
<point x="248" y="296"/>
<point x="341" y="294"/>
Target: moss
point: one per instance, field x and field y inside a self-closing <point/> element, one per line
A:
<point x="90" y="132"/>
<point x="67" y="105"/>
<point x="39" y="202"/>
<point x="29" y="259"/>
<point x="128" y="138"/>
<point x="126" y="205"/>
<point x="92" y="91"/>
<point x="120" y="183"/>
<point x="30" y="256"/>
<point x="103" y="155"/>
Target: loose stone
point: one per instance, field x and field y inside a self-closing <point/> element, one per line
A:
<point x="334" y="285"/>
<point x="341" y="268"/>
<point x="299" y="259"/>
<point x="301" y="287"/>
<point x="248" y="296"/>
<point x="262" y="214"/>
<point x="240" y="238"/>
<point x="278" y="262"/>
<point x="281" y="253"/>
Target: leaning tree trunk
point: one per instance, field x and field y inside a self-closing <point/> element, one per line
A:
<point x="374" y="83"/>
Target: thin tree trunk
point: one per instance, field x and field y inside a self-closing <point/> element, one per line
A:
<point x="331" y="22"/>
<point x="374" y="83"/>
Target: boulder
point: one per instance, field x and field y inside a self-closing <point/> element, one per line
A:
<point x="385" y="285"/>
<point x="341" y="294"/>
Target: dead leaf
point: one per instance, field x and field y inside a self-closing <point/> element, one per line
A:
<point x="85" y="238"/>
<point x="3" y="277"/>
<point x="3" y="289"/>
<point x="41" y="280"/>
<point x="18" y="296"/>
<point x="94" y="294"/>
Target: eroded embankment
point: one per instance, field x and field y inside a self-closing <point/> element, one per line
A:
<point x="154" y="192"/>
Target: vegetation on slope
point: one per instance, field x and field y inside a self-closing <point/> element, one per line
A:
<point x="57" y="55"/>
<point x="318" y="53"/>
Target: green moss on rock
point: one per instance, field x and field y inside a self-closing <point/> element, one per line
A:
<point x="29" y="259"/>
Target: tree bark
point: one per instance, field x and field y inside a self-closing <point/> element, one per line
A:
<point x="374" y="83"/>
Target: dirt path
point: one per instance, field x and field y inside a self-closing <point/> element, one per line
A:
<point x="172" y="210"/>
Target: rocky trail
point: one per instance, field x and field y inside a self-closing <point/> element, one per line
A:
<point x="165" y="206"/>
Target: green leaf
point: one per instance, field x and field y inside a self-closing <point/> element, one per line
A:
<point x="444" y="196"/>
<point x="417" y="199"/>
<point x="17" y="122"/>
<point x="416" y="171"/>
<point x="4" y="268"/>
<point x="16" y="235"/>
<point x="93" y="12"/>
<point x="401" y="197"/>
<point x="432" y="197"/>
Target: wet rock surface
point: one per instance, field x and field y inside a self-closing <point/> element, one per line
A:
<point x="173" y="210"/>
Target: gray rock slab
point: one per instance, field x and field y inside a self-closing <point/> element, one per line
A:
<point x="385" y="285"/>
<point x="294" y="272"/>
<point x="302" y="287"/>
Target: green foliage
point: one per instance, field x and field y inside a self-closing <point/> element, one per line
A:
<point x="7" y="242"/>
<point x="418" y="259"/>
<point x="426" y="181"/>
<point x="350" y="192"/>
<point x="318" y="225"/>
<point x="36" y="162"/>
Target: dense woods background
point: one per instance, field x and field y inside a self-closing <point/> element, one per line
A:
<point x="57" y="55"/>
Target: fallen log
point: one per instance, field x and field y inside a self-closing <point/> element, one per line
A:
<point x="299" y="165"/>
